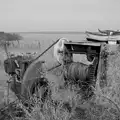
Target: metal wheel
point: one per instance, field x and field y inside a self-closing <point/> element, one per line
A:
<point x="32" y="79"/>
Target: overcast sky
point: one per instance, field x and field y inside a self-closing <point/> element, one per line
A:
<point x="66" y="15"/>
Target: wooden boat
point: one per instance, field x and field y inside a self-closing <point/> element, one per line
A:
<point x="109" y="32"/>
<point x="95" y="36"/>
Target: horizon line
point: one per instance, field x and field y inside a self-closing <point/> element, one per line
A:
<point x="52" y="32"/>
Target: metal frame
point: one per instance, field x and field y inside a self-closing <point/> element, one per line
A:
<point x="83" y="47"/>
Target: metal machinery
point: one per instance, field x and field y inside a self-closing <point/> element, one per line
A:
<point x="32" y="72"/>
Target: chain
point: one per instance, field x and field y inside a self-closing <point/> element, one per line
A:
<point x="104" y="58"/>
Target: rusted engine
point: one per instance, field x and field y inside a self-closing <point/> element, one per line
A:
<point x="16" y="66"/>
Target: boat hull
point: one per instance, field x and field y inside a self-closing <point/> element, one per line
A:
<point x="101" y="37"/>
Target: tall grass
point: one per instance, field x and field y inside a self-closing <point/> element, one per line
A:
<point x="51" y="109"/>
<point x="64" y="103"/>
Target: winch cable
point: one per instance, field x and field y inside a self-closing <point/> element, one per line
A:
<point x="54" y="67"/>
<point x="46" y="50"/>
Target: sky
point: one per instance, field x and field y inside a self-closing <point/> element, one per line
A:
<point x="59" y="15"/>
